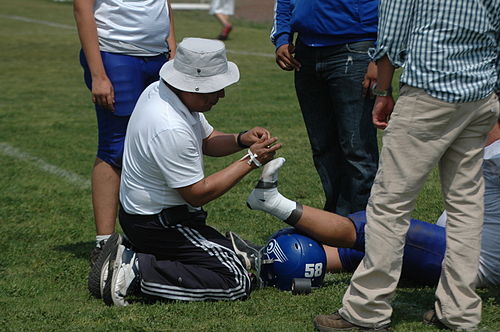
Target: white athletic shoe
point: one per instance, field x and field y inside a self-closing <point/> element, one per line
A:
<point x="123" y="277"/>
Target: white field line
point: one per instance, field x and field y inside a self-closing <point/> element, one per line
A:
<point x="70" y="177"/>
<point x="30" y="20"/>
<point x="71" y="27"/>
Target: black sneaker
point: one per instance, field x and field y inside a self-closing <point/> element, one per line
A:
<point x="98" y="275"/>
<point x="94" y="254"/>
<point x="247" y="252"/>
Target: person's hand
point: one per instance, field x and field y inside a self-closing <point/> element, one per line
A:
<point x="265" y="149"/>
<point x="254" y="135"/>
<point x="103" y="93"/>
<point x="285" y="59"/>
<point x="382" y="111"/>
<point x="370" y="79"/>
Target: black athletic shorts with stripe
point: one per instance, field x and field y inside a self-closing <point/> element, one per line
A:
<point x="191" y="262"/>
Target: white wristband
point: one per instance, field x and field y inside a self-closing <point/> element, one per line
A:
<point x="253" y="158"/>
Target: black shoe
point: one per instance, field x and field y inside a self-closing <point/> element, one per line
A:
<point x="430" y="318"/>
<point x="98" y="275"/>
<point x="94" y="254"/>
<point x="247" y="252"/>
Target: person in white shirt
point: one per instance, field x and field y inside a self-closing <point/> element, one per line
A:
<point x="174" y="255"/>
<point x="124" y="44"/>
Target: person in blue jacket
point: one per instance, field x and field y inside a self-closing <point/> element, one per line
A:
<point x="333" y="75"/>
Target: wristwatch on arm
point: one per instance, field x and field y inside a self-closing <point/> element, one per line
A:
<point x="381" y="93"/>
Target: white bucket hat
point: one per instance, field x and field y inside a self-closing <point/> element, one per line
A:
<point x="200" y="66"/>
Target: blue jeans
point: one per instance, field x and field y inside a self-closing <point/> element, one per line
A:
<point x="338" y="121"/>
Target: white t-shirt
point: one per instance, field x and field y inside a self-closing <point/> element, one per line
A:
<point x="163" y="151"/>
<point x="489" y="261"/>
<point x="132" y="27"/>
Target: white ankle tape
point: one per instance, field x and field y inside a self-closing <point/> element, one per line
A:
<point x="253" y="158"/>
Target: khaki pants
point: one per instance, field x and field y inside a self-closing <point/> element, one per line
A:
<point x="422" y="133"/>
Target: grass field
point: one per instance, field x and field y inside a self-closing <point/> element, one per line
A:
<point x="47" y="147"/>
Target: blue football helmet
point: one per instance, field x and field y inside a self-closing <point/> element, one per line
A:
<point x="290" y="255"/>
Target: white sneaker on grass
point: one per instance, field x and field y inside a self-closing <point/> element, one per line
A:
<point x="123" y="276"/>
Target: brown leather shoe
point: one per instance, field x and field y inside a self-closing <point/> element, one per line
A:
<point x="335" y="322"/>
<point x="430" y="318"/>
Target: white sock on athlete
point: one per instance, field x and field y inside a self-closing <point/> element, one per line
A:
<point x="101" y="239"/>
<point x="265" y="196"/>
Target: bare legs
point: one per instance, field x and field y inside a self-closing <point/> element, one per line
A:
<point x="223" y="19"/>
<point x="226" y="25"/>
<point x="105" y="190"/>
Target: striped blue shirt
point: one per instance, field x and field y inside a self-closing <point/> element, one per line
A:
<point x="449" y="48"/>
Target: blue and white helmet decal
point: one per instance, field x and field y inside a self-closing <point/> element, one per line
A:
<point x="274" y="252"/>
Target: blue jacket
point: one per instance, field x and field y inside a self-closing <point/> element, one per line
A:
<point x="324" y="22"/>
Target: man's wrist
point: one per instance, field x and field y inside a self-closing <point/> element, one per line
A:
<point x="381" y="92"/>
<point x="240" y="143"/>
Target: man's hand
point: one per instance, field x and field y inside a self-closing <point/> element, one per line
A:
<point x="285" y="59"/>
<point x="254" y="135"/>
<point x="103" y="93"/>
<point x="382" y="111"/>
<point x="370" y="79"/>
<point x="265" y="149"/>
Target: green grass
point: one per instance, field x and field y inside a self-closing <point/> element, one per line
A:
<point x="46" y="220"/>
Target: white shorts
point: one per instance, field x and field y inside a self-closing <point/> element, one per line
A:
<point x="225" y="7"/>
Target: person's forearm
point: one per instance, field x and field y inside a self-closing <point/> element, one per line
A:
<point x="172" y="44"/>
<point x="385" y="72"/>
<point x="87" y="31"/>
<point x="216" y="184"/>
<point x="220" y="144"/>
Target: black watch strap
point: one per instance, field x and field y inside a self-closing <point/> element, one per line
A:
<point x="238" y="140"/>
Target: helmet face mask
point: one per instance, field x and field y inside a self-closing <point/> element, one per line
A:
<point x="290" y="255"/>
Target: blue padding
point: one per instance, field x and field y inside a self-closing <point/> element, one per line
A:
<point x="129" y="75"/>
<point x="350" y="258"/>
<point x="423" y="253"/>
<point x="359" y="221"/>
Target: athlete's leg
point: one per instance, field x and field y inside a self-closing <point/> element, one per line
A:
<point x="105" y="187"/>
<point x="325" y="227"/>
<point x="333" y="260"/>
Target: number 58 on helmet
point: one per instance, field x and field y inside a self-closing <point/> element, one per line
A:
<point x="293" y="261"/>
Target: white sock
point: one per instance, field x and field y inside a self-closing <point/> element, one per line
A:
<point x="265" y="196"/>
<point x="272" y="202"/>
<point x="100" y="238"/>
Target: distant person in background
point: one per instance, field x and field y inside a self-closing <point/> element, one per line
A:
<point x="124" y="45"/>
<point x="222" y="9"/>
<point x="333" y="77"/>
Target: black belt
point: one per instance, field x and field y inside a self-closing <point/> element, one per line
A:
<point x="180" y="215"/>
